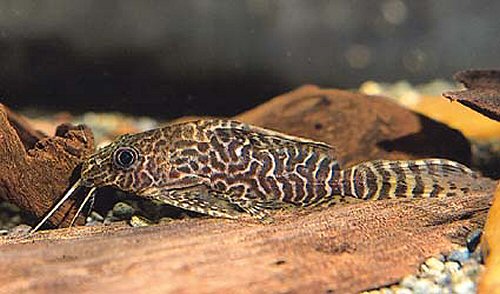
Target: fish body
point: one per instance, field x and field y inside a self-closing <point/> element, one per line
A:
<point x="224" y="163"/>
<point x="220" y="167"/>
<point x="226" y="168"/>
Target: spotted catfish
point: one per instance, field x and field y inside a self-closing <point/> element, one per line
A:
<point x="225" y="168"/>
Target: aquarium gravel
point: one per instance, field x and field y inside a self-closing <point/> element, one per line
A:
<point x="456" y="272"/>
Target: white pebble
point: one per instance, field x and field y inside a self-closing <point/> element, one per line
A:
<point x="424" y="268"/>
<point x="452" y="266"/>
<point x="408" y="281"/>
<point x="457" y="277"/>
<point x="471" y="269"/>
<point x="434" y="289"/>
<point x="432" y="273"/>
<point x="434" y="263"/>
<point x="442" y="278"/>
<point x="403" y="291"/>
<point x="139" y="221"/>
<point x="464" y="287"/>
<point x="422" y="286"/>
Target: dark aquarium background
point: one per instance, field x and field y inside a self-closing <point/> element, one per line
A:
<point x="173" y="58"/>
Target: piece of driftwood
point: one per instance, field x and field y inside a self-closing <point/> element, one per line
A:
<point x="361" y="127"/>
<point x="343" y="249"/>
<point x="35" y="170"/>
<point x="482" y="93"/>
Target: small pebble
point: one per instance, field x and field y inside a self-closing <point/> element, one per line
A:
<point x="386" y="291"/>
<point x="16" y="219"/>
<point x="408" y="281"/>
<point x="422" y="286"/>
<point x="20" y="230"/>
<point x="93" y="223"/>
<point x="434" y="289"/>
<point x="459" y="255"/>
<point x="403" y="291"/>
<point x="441" y="257"/>
<point x="123" y="211"/>
<point x="434" y="264"/>
<point x="434" y="275"/>
<point x="424" y="268"/>
<point x="442" y="278"/>
<point x="465" y="287"/>
<point x="96" y="216"/>
<point x="471" y="269"/>
<point x="139" y="221"/>
<point x="451" y="266"/>
<point x="94" y="219"/>
<point x="110" y="218"/>
<point x="457" y="277"/>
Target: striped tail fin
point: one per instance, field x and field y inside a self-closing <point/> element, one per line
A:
<point x="426" y="178"/>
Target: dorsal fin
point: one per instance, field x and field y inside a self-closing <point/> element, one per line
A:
<point x="264" y="138"/>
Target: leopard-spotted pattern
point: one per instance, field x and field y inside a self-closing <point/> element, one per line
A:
<point x="225" y="168"/>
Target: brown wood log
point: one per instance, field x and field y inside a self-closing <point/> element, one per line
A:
<point x="360" y="127"/>
<point x="343" y="249"/>
<point x="35" y="170"/>
<point x="482" y="93"/>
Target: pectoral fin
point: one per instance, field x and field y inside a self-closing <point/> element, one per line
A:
<point x="198" y="199"/>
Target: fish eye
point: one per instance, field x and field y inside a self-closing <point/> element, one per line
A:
<point x="125" y="157"/>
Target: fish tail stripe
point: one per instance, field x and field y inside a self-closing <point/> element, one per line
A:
<point x="436" y="190"/>
<point x="345" y="182"/>
<point x="358" y="183"/>
<point x="339" y="183"/>
<point x="401" y="186"/>
<point x="418" y="188"/>
<point x="374" y="179"/>
<point x="352" y="183"/>
<point x="388" y="183"/>
<point x="371" y="181"/>
<point x="348" y="182"/>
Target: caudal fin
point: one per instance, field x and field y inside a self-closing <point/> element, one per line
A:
<point x="426" y="178"/>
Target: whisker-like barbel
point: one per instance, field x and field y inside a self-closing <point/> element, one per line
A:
<point x="89" y="195"/>
<point x="57" y="206"/>
<point x="225" y="168"/>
